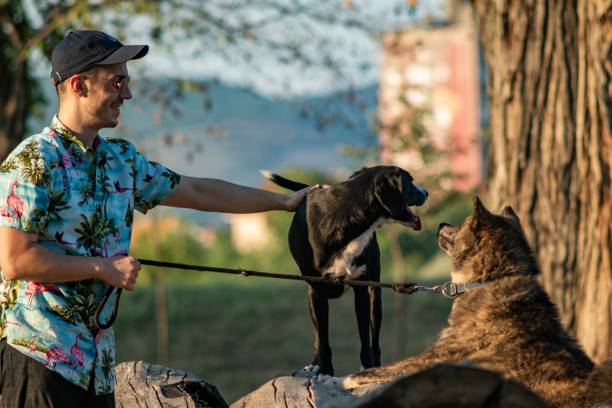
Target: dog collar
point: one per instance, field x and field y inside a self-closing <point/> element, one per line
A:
<point x="452" y="290"/>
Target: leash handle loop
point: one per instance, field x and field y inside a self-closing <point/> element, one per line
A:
<point x="102" y="304"/>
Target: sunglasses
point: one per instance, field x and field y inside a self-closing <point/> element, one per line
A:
<point x="118" y="82"/>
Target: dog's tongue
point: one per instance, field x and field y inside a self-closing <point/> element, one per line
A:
<point x="413" y="220"/>
<point x="416" y="222"/>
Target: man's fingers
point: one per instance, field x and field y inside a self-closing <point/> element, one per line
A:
<point x="130" y="284"/>
<point x="317" y="187"/>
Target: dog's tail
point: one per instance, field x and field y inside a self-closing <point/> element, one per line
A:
<point x="283" y="182"/>
<point x="599" y="387"/>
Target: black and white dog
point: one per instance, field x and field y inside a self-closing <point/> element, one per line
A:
<point x="332" y="235"/>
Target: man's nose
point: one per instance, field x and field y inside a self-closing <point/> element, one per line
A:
<point x="126" y="93"/>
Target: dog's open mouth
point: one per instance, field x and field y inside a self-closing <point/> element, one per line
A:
<point x="411" y="220"/>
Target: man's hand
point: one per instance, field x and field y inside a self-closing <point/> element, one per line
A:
<point x="120" y="271"/>
<point x="294" y="199"/>
<point x="22" y="257"/>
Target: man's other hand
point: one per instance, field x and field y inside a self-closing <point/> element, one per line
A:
<point x="120" y="271"/>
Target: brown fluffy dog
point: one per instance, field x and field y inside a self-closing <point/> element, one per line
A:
<point x="506" y="324"/>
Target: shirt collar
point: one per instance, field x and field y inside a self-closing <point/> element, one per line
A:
<point x="68" y="136"/>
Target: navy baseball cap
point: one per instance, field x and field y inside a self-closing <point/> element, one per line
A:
<point x="81" y="50"/>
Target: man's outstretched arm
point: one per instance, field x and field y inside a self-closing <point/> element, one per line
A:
<point x="207" y="194"/>
<point x="22" y="257"/>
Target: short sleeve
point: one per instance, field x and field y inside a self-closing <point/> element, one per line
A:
<point x="152" y="183"/>
<point x="25" y="177"/>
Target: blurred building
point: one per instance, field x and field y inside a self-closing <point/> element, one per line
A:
<point x="165" y="224"/>
<point x="250" y="232"/>
<point x="430" y="86"/>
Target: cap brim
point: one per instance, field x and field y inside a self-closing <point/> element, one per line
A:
<point x="125" y="53"/>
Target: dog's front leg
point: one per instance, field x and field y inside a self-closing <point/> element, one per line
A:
<point x="319" y="312"/>
<point x="390" y="372"/>
<point x="362" y="312"/>
<point x="376" y="322"/>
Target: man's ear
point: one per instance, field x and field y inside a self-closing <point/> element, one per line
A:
<point x="76" y="85"/>
<point x="388" y="194"/>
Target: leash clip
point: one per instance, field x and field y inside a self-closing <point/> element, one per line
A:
<point x="449" y="289"/>
<point x="244" y="273"/>
<point x="434" y="289"/>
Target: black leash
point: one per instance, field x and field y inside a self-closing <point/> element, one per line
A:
<point x="448" y="289"/>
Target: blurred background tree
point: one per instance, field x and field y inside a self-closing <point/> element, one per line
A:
<point x="551" y="148"/>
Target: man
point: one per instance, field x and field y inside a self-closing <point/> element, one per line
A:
<point x="67" y="198"/>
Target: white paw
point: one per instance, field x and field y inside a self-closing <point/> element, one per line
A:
<point x="307" y="372"/>
<point x="342" y="383"/>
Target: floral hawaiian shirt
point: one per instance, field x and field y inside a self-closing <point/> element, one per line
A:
<point x="81" y="202"/>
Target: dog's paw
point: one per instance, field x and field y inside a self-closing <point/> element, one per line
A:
<point x="307" y="372"/>
<point x="349" y="382"/>
<point x="342" y="383"/>
<point x="329" y="380"/>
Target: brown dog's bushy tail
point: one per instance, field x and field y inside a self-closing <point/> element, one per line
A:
<point x="599" y="387"/>
<point x="283" y="182"/>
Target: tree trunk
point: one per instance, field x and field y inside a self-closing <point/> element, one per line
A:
<point x="551" y="147"/>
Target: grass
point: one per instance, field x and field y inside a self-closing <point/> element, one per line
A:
<point x="240" y="333"/>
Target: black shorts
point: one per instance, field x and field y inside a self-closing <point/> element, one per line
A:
<point x="24" y="382"/>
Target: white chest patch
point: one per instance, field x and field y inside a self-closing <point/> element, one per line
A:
<point x="342" y="265"/>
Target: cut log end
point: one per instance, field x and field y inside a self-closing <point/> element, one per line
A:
<point x="141" y="384"/>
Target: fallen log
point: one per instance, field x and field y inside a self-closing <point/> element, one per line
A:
<point x="443" y="386"/>
<point x="141" y="384"/>
<point x="440" y="386"/>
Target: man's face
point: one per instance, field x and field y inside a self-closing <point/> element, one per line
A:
<point x="107" y="89"/>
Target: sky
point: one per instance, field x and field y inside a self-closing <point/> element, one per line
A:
<point x="355" y="49"/>
<point x="358" y="52"/>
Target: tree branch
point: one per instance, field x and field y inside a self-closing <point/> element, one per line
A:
<point x="12" y="31"/>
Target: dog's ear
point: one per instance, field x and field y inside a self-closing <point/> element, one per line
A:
<point x="388" y="191"/>
<point x="358" y="172"/>
<point x="481" y="214"/>
<point x="508" y="212"/>
<point x="512" y="218"/>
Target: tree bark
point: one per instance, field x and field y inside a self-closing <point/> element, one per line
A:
<point x="551" y="146"/>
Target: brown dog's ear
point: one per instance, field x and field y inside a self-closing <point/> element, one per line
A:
<point x="480" y="211"/>
<point x="512" y="217"/>
<point x="509" y="213"/>
<point x="388" y="191"/>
